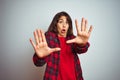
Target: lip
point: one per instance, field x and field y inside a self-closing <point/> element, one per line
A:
<point x="63" y="30"/>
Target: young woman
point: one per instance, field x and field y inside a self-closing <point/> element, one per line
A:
<point x="58" y="48"/>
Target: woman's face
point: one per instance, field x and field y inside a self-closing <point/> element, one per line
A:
<point x="62" y="26"/>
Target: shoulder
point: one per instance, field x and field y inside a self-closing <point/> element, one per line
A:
<point x="51" y="37"/>
<point x="50" y="34"/>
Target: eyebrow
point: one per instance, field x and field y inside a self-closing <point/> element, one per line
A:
<point x="60" y="19"/>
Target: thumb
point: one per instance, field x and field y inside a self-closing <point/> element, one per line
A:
<point x="71" y="41"/>
<point x="54" y="49"/>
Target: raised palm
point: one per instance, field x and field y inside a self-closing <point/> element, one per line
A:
<point x="83" y="33"/>
<point x="41" y="47"/>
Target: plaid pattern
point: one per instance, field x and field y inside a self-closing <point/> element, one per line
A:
<point x="51" y="72"/>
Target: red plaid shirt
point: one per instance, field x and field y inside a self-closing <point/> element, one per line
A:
<point x="52" y="60"/>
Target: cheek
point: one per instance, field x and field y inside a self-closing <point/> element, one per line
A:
<point x="67" y="27"/>
<point x="58" y="27"/>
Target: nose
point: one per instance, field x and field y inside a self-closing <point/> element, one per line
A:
<point x="64" y="24"/>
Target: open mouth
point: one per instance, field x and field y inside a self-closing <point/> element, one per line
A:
<point x="63" y="30"/>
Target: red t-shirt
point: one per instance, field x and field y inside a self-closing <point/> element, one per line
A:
<point x="66" y="65"/>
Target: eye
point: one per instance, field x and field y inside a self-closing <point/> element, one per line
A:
<point x="60" y="21"/>
<point x="66" y="22"/>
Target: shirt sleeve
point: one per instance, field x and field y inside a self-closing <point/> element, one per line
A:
<point x="38" y="61"/>
<point x="81" y="49"/>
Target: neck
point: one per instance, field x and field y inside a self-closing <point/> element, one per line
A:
<point x="61" y="35"/>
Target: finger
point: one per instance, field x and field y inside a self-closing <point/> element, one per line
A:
<point x="54" y="49"/>
<point x="86" y="25"/>
<point x="90" y="29"/>
<point x="71" y="41"/>
<point x="36" y="37"/>
<point x="77" y="26"/>
<point x="39" y="35"/>
<point x="33" y="44"/>
<point x="43" y="36"/>
<point x="83" y="24"/>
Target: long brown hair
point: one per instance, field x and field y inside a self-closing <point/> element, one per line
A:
<point x="53" y="25"/>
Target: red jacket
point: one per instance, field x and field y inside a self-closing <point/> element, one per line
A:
<point x="52" y="60"/>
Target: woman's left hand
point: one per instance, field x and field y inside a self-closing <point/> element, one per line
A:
<point x="83" y="34"/>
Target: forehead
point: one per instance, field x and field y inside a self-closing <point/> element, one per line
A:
<point x="63" y="18"/>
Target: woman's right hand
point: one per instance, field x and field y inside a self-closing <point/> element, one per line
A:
<point x="41" y="47"/>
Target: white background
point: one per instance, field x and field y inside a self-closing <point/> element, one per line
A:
<point x="19" y="18"/>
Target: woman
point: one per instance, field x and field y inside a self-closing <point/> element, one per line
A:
<point x="58" y="48"/>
